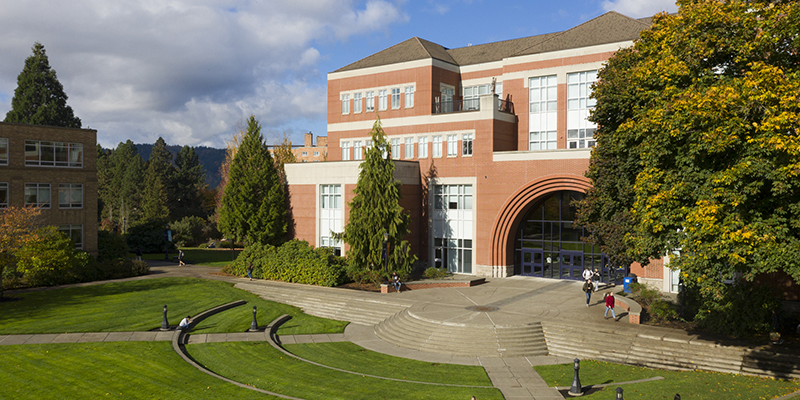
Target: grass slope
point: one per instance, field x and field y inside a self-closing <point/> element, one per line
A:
<point x="137" y="306"/>
<point x="259" y="365"/>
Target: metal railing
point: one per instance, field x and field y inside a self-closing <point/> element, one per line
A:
<point x="473" y="104"/>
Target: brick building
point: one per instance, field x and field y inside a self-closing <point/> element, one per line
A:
<point x="491" y="143"/>
<point x="311" y="152"/>
<point x="53" y="168"/>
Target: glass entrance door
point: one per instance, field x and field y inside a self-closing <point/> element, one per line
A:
<point x="533" y="263"/>
<point x="571" y="265"/>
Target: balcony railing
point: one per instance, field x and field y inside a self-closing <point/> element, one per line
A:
<point x="473" y="104"/>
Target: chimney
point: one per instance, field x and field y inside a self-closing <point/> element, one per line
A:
<point x="309" y="139"/>
<point x="322" y="141"/>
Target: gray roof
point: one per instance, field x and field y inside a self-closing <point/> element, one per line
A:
<point x="610" y="27"/>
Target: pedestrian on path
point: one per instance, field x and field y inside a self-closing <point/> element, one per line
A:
<point x="138" y="254"/>
<point x="596" y="279"/>
<point x="250" y="270"/>
<point x="610" y="303"/>
<point x="588" y="288"/>
<point x="587" y="273"/>
<point x="180" y="258"/>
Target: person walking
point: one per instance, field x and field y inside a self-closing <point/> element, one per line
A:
<point x="588" y="288"/>
<point x="587" y="273"/>
<point x="180" y="258"/>
<point x="138" y="254"/>
<point x="250" y="270"/>
<point x="610" y="303"/>
<point x="596" y="279"/>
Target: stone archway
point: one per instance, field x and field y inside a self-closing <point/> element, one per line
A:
<point x="508" y="219"/>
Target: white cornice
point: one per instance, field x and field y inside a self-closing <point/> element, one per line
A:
<point x="426" y="62"/>
<point x="538" y="155"/>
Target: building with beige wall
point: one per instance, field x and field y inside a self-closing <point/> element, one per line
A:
<point x="53" y="168"/>
<point x="501" y="140"/>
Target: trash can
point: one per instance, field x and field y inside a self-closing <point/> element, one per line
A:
<point x="626" y="284"/>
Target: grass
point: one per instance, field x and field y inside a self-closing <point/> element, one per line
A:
<point x="137" y="306"/>
<point x="351" y="357"/>
<point x="197" y="256"/>
<point x="697" y="385"/>
<point x="131" y="370"/>
<point x="259" y="365"/>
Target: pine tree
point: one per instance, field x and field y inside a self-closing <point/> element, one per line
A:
<point x="254" y="201"/>
<point x="189" y="183"/>
<point x="374" y="211"/>
<point x="39" y="98"/>
<point x="154" y="198"/>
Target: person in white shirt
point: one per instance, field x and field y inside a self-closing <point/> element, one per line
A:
<point x="587" y="273"/>
<point x="184" y="325"/>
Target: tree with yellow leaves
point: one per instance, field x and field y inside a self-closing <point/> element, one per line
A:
<point x="17" y="228"/>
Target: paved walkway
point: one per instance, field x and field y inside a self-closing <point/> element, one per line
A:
<point x="511" y="301"/>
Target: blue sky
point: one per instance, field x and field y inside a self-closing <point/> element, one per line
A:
<point x="190" y="71"/>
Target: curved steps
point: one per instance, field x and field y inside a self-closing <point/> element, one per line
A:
<point x="408" y="330"/>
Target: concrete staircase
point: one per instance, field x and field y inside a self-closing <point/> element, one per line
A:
<point x="667" y="352"/>
<point x="408" y="330"/>
<point x="361" y="308"/>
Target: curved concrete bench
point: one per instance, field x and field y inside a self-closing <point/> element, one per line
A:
<point x="633" y="308"/>
<point x="179" y="339"/>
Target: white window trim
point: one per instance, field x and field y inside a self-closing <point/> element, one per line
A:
<point x="345" y="97"/>
<point x="357" y="103"/>
<point x="409" y="100"/>
<point x="451" y="143"/>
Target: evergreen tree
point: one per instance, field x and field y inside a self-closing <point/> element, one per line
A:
<point x="39" y="98"/>
<point x="374" y="211"/>
<point x="254" y="201"/>
<point x="160" y="164"/>
<point x="120" y="175"/>
<point x="154" y="197"/>
<point x="189" y="184"/>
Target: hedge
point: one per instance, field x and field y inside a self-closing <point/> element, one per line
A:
<point x="294" y="261"/>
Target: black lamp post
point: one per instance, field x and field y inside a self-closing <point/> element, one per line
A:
<point x="575" y="389"/>
<point x="254" y="325"/>
<point x="619" y="393"/>
<point x="164" y="323"/>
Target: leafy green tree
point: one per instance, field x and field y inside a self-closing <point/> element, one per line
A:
<point x="374" y="211"/>
<point x="697" y="150"/>
<point x="120" y="176"/>
<point x="39" y="98"/>
<point x="283" y="155"/>
<point x="154" y="197"/>
<point x="188" y="183"/>
<point x="254" y="199"/>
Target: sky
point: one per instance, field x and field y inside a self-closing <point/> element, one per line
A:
<point x="192" y="71"/>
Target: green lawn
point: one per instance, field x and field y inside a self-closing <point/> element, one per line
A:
<point x="351" y="357"/>
<point x="259" y="365"/>
<point x="695" y="385"/>
<point x="137" y="306"/>
<point x="129" y="370"/>
<point x="197" y="256"/>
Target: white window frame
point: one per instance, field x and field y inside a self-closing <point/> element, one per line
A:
<point x="542" y="109"/>
<point x="370" y="101"/>
<point x="47" y="153"/>
<point x="395" y="98"/>
<point x="543" y="140"/>
<point x="580" y="131"/>
<point x="345" y="104"/>
<point x="409" y="96"/>
<point x="69" y="229"/>
<point x="452" y="216"/>
<point x="3" y="151"/>
<point x="345" y="151"/>
<point x="466" y="144"/>
<point x="357" y="150"/>
<point x="4" y="195"/>
<point x="330" y="211"/>
<point x="437" y="147"/>
<point x="382" y="100"/>
<point x="423" y="146"/>
<point x="357" y="103"/>
<point x="70" y="195"/>
<point x="42" y="192"/>
<point x="452" y="145"/>
<point x="396" y="149"/>
<point x="409" y="148"/>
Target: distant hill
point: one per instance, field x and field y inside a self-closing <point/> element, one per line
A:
<point x="209" y="157"/>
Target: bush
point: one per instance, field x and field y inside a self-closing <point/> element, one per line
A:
<point x="436" y="273"/>
<point x="644" y="295"/>
<point x="742" y="309"/>
<point x="139" y="268"/>
<point x="190" y="231"/>
<point x="148" y="236"/>
<point x="51" y="259"/>
<point x="295" y="261"/>
<point x="110" y="246"/>
<point x="662" y="311"/>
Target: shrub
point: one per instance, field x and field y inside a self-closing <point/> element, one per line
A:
<point x="110" y="246"/>
<point x="742" y="309"/>
<point x="51" y="259"/>
<point x="435" y="273"/>
<point x="148" y="236"/>
<point x="644" y="295"/>
<point x="662" y="310"/>
<point x="190" y="231"/>
<point x="294" y="261"/>
<point x="139" y="268"/>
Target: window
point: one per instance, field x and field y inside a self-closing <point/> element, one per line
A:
<point x="59" y="154"/>
<point x="472" y="94"/>
<point x="452" y="227"/>
<point x="316" y="154"/>
<point x="580" y="131"/>
<point x="542" y="109"/>
<point x="3" y="194"/>
<point x="409" y="96"/>
<point x="466" y="144"/>
<point x="395" y="98"/>
<point x="70" y="195"/>
<point x="370" y="101"/>
<point x="437" y="146"/>
<point x="37" y="195"/>
<point x="382" y="100"/>
<point x="395" y="148"/>
<point x="3" y="151"/>
<point x="330" y="213"/>
<point x="452" y="144"/>
<point x="356" y="103"/>
<point x="423" y="147"/>
<point x="346" y="151"/>
<point x="74" y="232"/>
<point x="305" y="154"/>
<point x="409" y="148"/>
<point x="345" y="104"/>
<point x="357" y="150"/>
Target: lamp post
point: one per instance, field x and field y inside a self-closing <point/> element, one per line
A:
<point x="386" y="250"/>
<point x="164" y="323"/>
<point x="575" y="389"/>
<point x="254" y="325"/>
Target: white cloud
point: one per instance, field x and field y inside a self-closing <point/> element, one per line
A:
<point x="185" y="70"/>
<point x="640" y="8"/>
